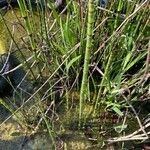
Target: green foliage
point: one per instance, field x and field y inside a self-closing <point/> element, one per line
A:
<point x="100" y="52"/>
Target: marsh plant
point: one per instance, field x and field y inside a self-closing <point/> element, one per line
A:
<point x="100" y="50"/>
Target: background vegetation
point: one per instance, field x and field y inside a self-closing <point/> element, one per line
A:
<point x="91" y="58"/>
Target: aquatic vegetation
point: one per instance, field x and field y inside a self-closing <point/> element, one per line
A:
<point x="83" y="67"/>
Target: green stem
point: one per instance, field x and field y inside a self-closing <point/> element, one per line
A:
<point x="83" y="91"/>
<point x="102" y="82"/>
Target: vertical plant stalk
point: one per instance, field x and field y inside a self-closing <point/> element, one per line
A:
<point x="83" y="90"/>
<point x="28" y="23"/>
<point x="102" y="82"/>
<point x="81" y="12"/>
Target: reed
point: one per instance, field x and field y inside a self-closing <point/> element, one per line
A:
<point x="99" y="51"/>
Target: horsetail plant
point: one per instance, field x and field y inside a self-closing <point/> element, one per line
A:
<point x="28" y="24"/>
<point x="90" y="26"/>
